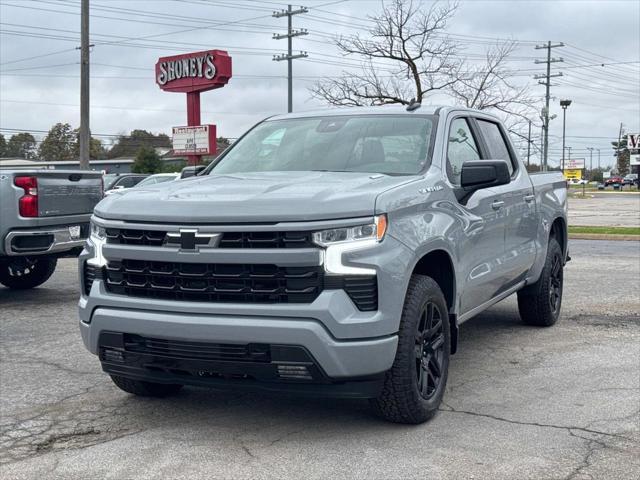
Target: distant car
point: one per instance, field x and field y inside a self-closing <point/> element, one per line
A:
<point x="158" y="178"/>
<point x="578" y="181"/>
<point x="120" y="181"/>
<point x="630" y="179"/>
<point x="613" y="181"/>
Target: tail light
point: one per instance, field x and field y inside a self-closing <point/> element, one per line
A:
<point x="28" y="203"/>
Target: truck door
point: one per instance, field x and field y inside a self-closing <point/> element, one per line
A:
<point x="480" y="243"/>
<point x="519" y="205"/>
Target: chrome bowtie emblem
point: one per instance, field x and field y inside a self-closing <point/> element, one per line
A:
<point x="190" y="240"/>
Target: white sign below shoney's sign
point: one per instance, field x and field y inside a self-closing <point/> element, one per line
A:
<point x="574" y="163"/>
<point x="198" y="140"/>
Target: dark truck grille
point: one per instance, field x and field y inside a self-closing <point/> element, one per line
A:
<point x="229" y="283"/>
<point x="214" y="282"/>
<point x="90" y="274"/>
<point x="229" y="239"/>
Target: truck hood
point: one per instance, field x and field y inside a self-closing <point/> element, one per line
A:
<point x="264" y="197"/>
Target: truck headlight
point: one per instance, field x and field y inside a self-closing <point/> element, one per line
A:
<point x="337" y="241"/>
<point x="98" y="237"/>
<point x="98" y="232"/>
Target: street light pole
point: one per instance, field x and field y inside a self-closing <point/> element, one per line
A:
<point x="564" y="104"/>
<point x="590" y="160"/>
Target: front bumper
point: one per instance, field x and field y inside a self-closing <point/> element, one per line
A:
<point x="345" y="344"/>
<point x="45" y="241"/>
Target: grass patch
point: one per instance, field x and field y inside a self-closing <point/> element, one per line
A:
<point x="606" y="230"/>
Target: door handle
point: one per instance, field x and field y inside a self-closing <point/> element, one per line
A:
<point x="529" y="198"/>
<point x="498" y="204"/>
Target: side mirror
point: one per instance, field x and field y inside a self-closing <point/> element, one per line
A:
<point x="479" y="174"/>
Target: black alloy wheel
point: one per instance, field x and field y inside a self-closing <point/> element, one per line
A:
<point x="429" y="350"/>
<point x="555" y="284"/>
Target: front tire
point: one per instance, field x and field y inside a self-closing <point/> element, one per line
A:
<point x="22" y="273"/>
<point x="414" y="386"/>
<point x="145" y="389"/>
<point x="539" y="303"/>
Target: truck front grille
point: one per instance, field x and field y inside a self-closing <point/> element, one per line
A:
<point x="229" y="239"/>
<point x="90" y="274"/>
<point x="214" y="282"/>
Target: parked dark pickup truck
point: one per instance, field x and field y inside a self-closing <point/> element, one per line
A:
<point x="44" y="214"/>
<point x="327" y="253"/>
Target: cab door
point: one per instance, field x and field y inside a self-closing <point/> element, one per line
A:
<point x="519" y="205"/>
<point x="480" y="240"/>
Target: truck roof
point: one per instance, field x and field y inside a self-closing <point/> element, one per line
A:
<point x="425" y="109"/>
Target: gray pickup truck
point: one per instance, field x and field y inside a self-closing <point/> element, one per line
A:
<point x="44" y="214"/>
<point x="328" y="253"/>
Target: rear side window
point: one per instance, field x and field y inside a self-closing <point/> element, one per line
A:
<point x="461" y="148"/>
<point x="496" y="144"/>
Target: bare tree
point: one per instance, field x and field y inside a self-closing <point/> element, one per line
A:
<point x="408" y="55"/>
<point x="408" y="45"/>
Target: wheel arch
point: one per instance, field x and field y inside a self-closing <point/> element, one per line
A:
<point x="438" y="265"/>
<point x="558" y="231"/>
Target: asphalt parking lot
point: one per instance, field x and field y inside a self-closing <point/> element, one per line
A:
<point x="522" y="402"/>
<point x="620" y="209"/>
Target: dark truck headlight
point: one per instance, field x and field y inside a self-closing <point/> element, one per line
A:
<point x="337" y="241"/>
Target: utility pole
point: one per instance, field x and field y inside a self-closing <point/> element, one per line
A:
<point x="289" y="57"/>
<point x="85" y="132"/>
<point x="529" y="146"/>
<point x="598" y="158"/>
<point x="547" y="84"/>
<point x="618" y="149"/>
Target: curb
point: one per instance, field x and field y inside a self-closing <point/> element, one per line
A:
<point x="602" y="236"/>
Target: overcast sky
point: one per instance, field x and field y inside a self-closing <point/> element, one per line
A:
<point x="39" y="65"/>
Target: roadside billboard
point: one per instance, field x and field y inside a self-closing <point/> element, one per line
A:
<point x="572" y="174"/>
<point x="573" y="163"/>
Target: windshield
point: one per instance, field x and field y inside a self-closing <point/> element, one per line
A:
<point x="153" y="180"/>
<point x="369" y="143"/>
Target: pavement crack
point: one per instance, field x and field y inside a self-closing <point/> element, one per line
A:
<point x="50" y="442"/>
<point x="569" y="429"/>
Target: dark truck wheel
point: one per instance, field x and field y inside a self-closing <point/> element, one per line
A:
<point x="22" y="272"/>
<point x="539" y="303"/>
<point x="145" y="389"/>
<point x="414" y="386"/>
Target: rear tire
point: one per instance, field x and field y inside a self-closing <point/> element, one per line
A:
<point x="145" y="389"/>
<point x="22" y="273"/>
<point x="414" y="386"/>
<point x="539" y="303"/>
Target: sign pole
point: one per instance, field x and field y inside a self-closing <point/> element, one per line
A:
<point x="193" y="120"/>
<point x="192" y="73"/>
